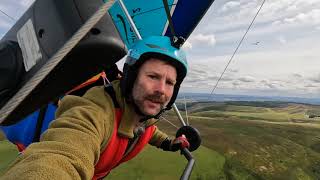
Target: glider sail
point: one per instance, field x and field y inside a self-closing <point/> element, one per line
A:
<point x="151" y="19"/>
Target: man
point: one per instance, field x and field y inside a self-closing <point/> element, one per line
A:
<point x="109" y="125"/>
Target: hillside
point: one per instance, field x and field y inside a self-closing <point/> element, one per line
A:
<point x="261" y="142"/>
<point x="269" y="111"/>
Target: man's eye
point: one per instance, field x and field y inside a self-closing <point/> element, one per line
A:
<point x="170" y="83"/>
<point x="152" y="77"/>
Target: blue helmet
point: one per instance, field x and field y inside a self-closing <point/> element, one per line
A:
<point x="159" y="47"/>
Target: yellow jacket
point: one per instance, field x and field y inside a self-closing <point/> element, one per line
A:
<point x="71" y="146"/>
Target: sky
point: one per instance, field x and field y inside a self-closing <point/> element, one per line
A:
<point x="279" y="56"/>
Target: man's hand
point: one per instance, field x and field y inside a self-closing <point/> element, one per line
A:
<point x="176" y="144"/>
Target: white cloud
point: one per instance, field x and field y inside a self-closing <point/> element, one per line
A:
<point x="230" y="5"/>
<point x="236" y="83"/>
<point x="296" y="75"/>
<point x="310" y="18"/>
<point x="247" y="79"/>
<point x="292" y="8"/>
<point x="282" y="40"/>
<point x="271" y="86"/>
<point x="311" y="86"/>
<point x="232" y="71"/>
<point x="226" y="78"/>
<point x="315" y="79"/>
<point x="272" y="11"/>
<point x="202" y="39"/>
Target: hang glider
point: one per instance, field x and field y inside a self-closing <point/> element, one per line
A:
<point x="47" y="26"/>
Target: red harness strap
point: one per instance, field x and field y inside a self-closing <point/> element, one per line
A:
<point x="112" y="156"/>
<point x="20" y="146"/>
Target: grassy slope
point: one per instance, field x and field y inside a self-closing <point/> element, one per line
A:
<point x="156" y="164"/>
<point x="271" y="151"/>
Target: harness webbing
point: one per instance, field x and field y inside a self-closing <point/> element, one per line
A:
<point x="41" y="116"/>
<point x="132" y="142"/>
<point x="109" y="89"/>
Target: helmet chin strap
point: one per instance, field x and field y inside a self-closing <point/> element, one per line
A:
<point x="157" y="116"/>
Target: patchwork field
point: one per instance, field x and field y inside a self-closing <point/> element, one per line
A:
<point x="241" y="140"/>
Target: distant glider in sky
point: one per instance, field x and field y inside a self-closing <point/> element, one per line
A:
<point x="256" y="43"/>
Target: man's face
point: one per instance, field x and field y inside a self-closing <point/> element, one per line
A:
<point x="154" y="86"/>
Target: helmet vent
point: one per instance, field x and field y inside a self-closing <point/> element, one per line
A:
<point x="156" y="47"/>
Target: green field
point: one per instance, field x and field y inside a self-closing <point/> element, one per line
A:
<point x="240" y="141"/>
<point x="289" y="113"/>
<point x="158" y="165"/>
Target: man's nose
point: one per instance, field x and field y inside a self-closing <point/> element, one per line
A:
<point x="161" y="86"/>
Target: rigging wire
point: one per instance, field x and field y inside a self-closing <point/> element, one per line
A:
<point x="236" y="50"/>
<point x="166" y="7"/>
<point x="185" y="108"/>
<point x="7" y="15"/>
<point x="169" y="122"/>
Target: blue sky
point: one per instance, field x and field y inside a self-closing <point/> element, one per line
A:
<point x="280" y="55"/>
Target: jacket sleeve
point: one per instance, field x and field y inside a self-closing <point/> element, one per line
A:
<point x="70" y="148"/>
<point x="158" y="137"/>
